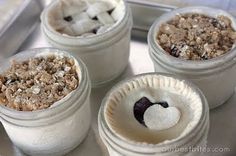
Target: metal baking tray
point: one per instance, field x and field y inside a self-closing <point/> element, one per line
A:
<point x="221" y="139"/>
<point x="146" y="11"/>
<point x="19" y="26"/>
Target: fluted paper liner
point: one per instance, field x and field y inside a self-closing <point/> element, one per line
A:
<point x="119" y="108"/>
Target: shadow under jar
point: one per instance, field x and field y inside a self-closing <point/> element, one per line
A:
<point x="104" y="41"/>
<point x="154" y="114"/>
<point x="215" y="76"/>
<point x="55" y="130"/>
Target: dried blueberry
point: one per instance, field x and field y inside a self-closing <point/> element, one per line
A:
<point x="68" y="18"/>
<point x="142" y="105"/>
<point x="174" y="51"/>
<point x="163" y="104"/>
<point x="204" y="57"/>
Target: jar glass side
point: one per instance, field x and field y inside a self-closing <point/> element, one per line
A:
<point x="56" y="130"/>
<point x="128" y="148"/>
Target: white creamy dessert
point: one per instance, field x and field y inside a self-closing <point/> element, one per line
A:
<point x="55" y="130"/>
<point x="85" y="17"/>
<point x="97" y="31"/>
<point x="151" y="113"/>
<point x="206" y="74"/>
<point x="185" y="108"/>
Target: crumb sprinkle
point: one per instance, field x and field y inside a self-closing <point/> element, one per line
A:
<point x="197" y="36"/>
<point x="37" y="83"/>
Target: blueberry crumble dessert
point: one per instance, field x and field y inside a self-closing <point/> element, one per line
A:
<point x="37" y="83"/>
<point x="197" y="36"/>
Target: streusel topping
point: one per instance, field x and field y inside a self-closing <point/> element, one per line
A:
<point x="197" y="37"/>
<point x="37" y="83"/>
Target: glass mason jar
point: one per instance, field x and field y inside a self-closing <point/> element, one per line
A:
<point x="215" y="77"/>
<point x="57" y="129"/>
<point x="105" y="55"/>
<point x="189" y="142"/>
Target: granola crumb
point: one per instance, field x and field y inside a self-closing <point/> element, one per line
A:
<point x="37" y="83"/>
<point x="197" y="36"/>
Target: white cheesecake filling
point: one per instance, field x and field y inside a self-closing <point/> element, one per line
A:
<point x="184" y="102"/>
<point x="84" y="18"/>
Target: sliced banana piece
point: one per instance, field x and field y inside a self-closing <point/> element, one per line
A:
<point x="84" y="26"/>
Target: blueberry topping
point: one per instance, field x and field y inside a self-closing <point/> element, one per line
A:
<point x="142" y="105"/>
<point x="68" y="18"/>
<point x="163" y="104"/>
<point x="215" y="22"/>
<point x="174" y="51"/>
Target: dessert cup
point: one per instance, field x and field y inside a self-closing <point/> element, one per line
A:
<point x="55" y="130"/>
<point x="105" y="54"/>
<point x="215" y="77"/>
<point x="123" y="135"/>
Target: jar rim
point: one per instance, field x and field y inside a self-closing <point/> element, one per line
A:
<point x="98" y="37"/>
<point x="38" y="114"/>
<point x="104" y="125"/>
<point x="159" y="53"/>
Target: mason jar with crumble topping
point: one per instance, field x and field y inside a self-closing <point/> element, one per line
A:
<point x="96" y="31"/>
<point x="154" y="114"/>
<point x="197" y="43"/>
<point x="44" y="96"/>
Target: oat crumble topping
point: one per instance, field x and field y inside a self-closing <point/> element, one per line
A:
<point x="197" y="37"/>
<point x="37" y="83"/>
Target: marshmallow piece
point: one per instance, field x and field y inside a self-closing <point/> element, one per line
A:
<point x="84" y="26"/>
<point x="70" y="8"/>
<point x="88" y="34"/>
<point x="118" y="12"/>
<point x="81" y="16"/>
<point x="103" y="29"/>
<point x="105" y="18"/>
<point x="68" y="30"/>
<point x="157" y="117"/>
<point x="98" y="7"/>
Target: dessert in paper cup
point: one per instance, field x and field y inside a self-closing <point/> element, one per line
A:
<point x="197" y="43"/>
<point x="44" y="97"/>
<point x="154" y="114"/>
<point x="98" y="31"/>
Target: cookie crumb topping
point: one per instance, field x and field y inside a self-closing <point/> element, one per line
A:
<point x="197" y="36"/>
<point x="37" y="83"/>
